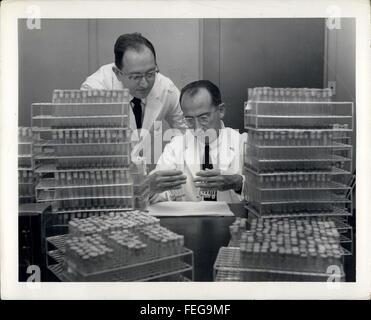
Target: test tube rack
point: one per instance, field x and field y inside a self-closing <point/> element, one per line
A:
<point x="82" y="147"/>
<point x="120" y="246"/>
<point x="298" y="166"/>
<point x="283" y="249"/>
<point x="298" y="158"/>
<point x="26" y="179"/>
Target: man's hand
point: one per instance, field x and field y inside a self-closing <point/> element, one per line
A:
<point x="164" y="180"/>
<point x="213" y="179"/>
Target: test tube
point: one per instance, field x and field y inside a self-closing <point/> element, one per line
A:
<point x="85" y="136"/>
<point x="80" y="136"/>
<point x="96" y="136"/>
<point x="67" y="136"/>
<point x="84" y="96"/>
<point x="62" y="177"/>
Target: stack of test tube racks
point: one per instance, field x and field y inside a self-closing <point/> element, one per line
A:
<point x="298" y="158"/>
<point x="82" y="146"/>
<point x="119" y="246"/>
<point x="298" y="165"/>
<point x="26" y="179"/>
<point x="282" y="249"/>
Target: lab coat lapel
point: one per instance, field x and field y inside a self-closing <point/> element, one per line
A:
<point x="153" y="106"/>
<point x="191" y="154"/>
<point x="152" y="109"/>
<point x="226" y="149"/>
<point x="133" y="125"/>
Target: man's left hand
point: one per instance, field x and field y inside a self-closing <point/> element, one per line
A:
<point x="213" y="179"/>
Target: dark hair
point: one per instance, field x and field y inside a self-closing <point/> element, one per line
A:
<point x="134" y="41"/>
<point x="193" y="87"/>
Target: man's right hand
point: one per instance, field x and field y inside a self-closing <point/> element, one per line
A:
<point x="164" y="180"/>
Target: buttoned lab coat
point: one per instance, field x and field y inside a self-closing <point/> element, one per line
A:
<point x="162" y="103"/>
<point x="186" y="154"/>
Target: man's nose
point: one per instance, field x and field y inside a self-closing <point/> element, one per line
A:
<point x="198" y="125"/>
<point x="144" y="82"/>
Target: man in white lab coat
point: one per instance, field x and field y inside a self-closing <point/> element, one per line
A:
<point x="153" y="96"/>
<point x="206" y="163"/>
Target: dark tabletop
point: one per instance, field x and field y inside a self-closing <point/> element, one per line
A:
<point x="204" y="236"/>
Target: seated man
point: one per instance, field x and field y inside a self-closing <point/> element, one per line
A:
<point x="205" y="163"/>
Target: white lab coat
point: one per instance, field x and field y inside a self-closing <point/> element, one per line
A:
<point x="184" y="153"/>
<point x="162" y="103"/>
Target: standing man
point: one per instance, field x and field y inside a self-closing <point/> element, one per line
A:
<point x="153" y="96"/>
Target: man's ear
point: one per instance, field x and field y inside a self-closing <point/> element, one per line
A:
<point x="221" y="110"/>
<point x="116" y="71"/>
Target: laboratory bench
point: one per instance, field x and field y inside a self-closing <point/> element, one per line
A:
<point x="204" y="236"/>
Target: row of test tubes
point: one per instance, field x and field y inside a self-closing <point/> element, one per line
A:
<point x="297" y="245"/>
<point x="92" y="204"/>
<point x="113" y="221"/>
<point x="83" y="113"/>
<point x="103" y="191"/>
<point x="24" y="134"/>
<point x="295" y="153"/>
<point x="289" y="94"/>
<point x="294" y="138"/>
<point x="128" y="247"/>
<point x="237" y="228"/>
<point x="92" y="162"/>
<point x="87" y="136"/>
<point x="113" y="121"/>
<point x="299" y="195"/>
<point x="26" y="177"/>
<point x="87" y="254"/>
<point x="303" y="208"/>
<point x="285" y="121"/>
<point x="266" y="166"/>
<point x="298" y="180"/>
<point x="26" y="184"/>
<point x="91" y="178"/>
<point x="162" y="241"/>
<point x="114" y="149"/>
<point x="90" y="96"/>
<point x="131" y="240"/>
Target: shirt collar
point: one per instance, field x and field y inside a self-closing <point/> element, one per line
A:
<point x="143" y="101"/>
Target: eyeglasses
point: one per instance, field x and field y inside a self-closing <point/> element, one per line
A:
<point x="137" y="77"/>
<point x="202" y="120"/>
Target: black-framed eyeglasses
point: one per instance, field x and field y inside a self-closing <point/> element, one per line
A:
<point x="202" y="119"/>
<point x="137" y="77"/>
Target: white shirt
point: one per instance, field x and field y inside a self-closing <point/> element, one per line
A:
<point x="186" y="153"/>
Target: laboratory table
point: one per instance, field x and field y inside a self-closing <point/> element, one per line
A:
<point x="204" y="236"/>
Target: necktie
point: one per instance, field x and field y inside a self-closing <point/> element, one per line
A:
<point x="137" y="109"/>
<point x="208" y="195"/>
<point x="207" y="163"/>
